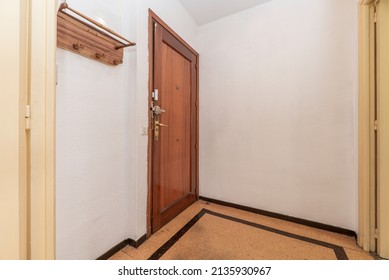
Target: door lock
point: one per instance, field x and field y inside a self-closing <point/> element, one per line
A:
<point x="157" y="110"/>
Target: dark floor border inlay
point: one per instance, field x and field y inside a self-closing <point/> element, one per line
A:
<point x="338" y="250"/>
<point x="283" y="217"/>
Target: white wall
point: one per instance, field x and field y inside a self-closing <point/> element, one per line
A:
<point x="278" y="109"/>
<point x="95" y="141"/>
<point x="101" y="154"/>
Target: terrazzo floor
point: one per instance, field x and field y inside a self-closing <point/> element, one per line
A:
<point x="207" y="231"/>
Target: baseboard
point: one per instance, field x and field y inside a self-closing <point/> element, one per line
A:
<point x="283" y="217"/>
<point x="113" y="250"/>
<point x="137" y="243"/>
<point x="122" y="245"/>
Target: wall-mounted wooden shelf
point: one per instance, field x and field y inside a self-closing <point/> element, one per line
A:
<point x="89" y="38"/>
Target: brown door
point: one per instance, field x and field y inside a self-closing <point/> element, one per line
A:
<point x="174" y="120"/>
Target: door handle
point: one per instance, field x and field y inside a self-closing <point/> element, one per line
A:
<point x="161" y="124"/>
<point x="157" y="125"/>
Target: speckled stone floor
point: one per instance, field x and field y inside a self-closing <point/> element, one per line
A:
<point x="207" y="231"/>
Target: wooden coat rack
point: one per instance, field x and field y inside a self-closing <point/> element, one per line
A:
<point x="90" y="39"/>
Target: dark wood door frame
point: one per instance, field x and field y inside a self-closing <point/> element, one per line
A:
<point x="154" y="18"/>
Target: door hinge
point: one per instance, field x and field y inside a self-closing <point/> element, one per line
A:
<point x="196" y="103"/>
<point x="375" y="16"/>
<point x="375" y="234"/>
<point x="376" y="125"/>
<point x="28" y="117"/>
<point x="196" y="146"/>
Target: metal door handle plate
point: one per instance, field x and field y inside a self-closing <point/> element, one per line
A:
<point x="157" y="125"/>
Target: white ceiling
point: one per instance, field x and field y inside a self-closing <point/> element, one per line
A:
<point x="205" y="11"/>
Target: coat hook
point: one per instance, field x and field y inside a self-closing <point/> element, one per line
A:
<point x="78" y="46"/>
<point x="117" y="62"/>
<point x="99" y="55"/>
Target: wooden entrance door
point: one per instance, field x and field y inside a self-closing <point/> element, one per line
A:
<point x="174" y="120"/>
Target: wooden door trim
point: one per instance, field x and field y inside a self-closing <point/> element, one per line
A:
<point x="153" y="17"/>
<point x="366" y="166"/>
<point x="383" y="128"/>
<point x="43" y="45"/>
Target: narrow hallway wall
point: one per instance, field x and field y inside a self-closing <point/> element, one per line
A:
<point x="95" y="141"/>
<point x="101" y="112"/>
<point x="278" y="92"/>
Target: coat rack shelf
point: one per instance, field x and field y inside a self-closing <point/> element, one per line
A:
<point x="89" y="38"/>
